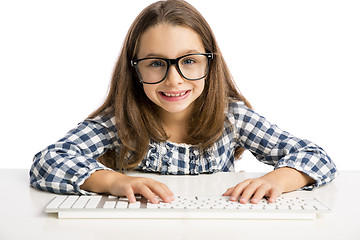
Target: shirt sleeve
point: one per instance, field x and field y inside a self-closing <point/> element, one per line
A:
<point x="270" y="145"/>
<point x="64" y="166"/>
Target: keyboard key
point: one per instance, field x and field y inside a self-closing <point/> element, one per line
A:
<point x="320" y="207"/>
<point x="270" y="206"/>
<point x="112" y="197"/>
<point x="109" y="204"/>
<point x="135" y="204"/>
<point x="308" y="207"/>
<point x="217" y="206"/>
<point x="69" y="201"/>
<point x="93" y="202"/>
<point x="191" y="206"/>
<point x="81" y="202"/>
<point x="283" y="207"/>
<point x="295" y="207"/>
<point x="152" y="205"/>
<point x="258" y="206"/>
<point x="122" y="204"/>
<point x="55" y="203"/>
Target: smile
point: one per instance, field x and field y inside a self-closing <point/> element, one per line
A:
<point x="175" y="95"/>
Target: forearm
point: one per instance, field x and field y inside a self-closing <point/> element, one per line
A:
<point x="61" y="172"/>
<point x="100" y="181"/>
<point x="289" y="179"/>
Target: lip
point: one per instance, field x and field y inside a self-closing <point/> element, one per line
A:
<point x="175" y="98"/>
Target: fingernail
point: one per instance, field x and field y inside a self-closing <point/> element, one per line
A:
<point x="232" y="198"/>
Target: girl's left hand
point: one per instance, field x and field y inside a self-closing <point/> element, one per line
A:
<point x="255" y="189"/>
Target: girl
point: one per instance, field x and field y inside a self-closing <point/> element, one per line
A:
<point x="173" y="108"/>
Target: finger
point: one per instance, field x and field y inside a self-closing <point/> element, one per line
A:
<point x="249" y="191"/>
<point x="238" y="190"/>
<point x="273" y="195"/>
<point x="161" y="190"/>
<point x="147" y="193"/>
<point x="129" y="193"/>
<point x="260" y="193"/>
<point x="228" y="191"/>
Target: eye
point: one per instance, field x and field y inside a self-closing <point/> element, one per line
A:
<point x="188" y="61"/>
<point x="156" y="63"/>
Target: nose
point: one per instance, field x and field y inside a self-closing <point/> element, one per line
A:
<point x="173" y="76"/>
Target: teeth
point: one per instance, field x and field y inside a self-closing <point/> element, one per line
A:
<point x="174" y="95"/>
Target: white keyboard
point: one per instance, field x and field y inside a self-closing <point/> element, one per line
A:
<point x="100" y="206"/>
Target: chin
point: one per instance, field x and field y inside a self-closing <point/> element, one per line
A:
<point x="176" y="109"/>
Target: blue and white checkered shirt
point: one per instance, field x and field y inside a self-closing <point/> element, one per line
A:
<point x="64" y="166"/>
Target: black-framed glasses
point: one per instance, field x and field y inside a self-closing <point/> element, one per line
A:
<point x="152" y="70"/>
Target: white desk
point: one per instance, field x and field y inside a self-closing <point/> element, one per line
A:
<point x="22" y="216"/>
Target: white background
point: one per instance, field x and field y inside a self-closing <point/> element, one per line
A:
<point x="297" y="62"/>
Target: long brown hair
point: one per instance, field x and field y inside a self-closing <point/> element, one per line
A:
<point x="136" y="116"/>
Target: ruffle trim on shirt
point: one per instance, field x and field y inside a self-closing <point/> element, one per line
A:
<point x="178" y="159"/>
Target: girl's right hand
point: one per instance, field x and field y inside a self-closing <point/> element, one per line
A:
<point x="129" y="186"/>
<point x="118" y="184"/>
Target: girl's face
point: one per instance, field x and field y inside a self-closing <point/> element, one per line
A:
<point x="175" y="94"/>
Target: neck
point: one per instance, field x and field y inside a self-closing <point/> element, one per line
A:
<point x="175" y="125"/>
<point x="174" y="119"/>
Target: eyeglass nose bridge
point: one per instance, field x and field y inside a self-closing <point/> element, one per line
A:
<point x="176" y="63"/>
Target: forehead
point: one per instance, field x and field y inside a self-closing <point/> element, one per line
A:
<point x="169" y="41"/>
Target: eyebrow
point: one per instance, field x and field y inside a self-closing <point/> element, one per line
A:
<point x="163" y="56"/>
